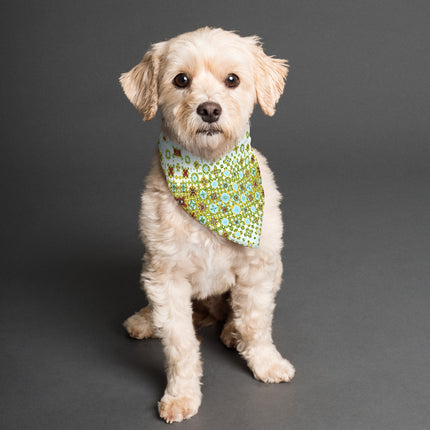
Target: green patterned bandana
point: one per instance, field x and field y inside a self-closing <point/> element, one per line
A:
<point x="225" y="195"/>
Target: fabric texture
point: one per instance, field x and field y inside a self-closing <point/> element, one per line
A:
<point x="225" y="195"/>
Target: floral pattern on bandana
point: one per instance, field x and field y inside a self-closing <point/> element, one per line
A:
<point x="225" y="195"/>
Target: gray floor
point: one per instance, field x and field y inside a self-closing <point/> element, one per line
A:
<point x="349" y="146"/>
<point x="352" y="316"/>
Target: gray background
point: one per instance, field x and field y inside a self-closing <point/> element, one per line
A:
<point x="349" y="146"/>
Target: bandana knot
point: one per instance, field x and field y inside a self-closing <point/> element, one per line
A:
<point x="225" y="195"/>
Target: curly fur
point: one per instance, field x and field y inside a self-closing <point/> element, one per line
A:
<point x="189" y="270"/>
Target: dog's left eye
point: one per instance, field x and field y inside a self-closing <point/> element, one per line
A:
<point x="232" y="80"/>
<point x="181" y="80"/>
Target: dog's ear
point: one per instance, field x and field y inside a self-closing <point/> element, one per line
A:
<point x="270" y="76"/>
<point x="140" y="84"/>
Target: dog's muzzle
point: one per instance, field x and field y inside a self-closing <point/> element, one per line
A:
<point x="209" y="131"/>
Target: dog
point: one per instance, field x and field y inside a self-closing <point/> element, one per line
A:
<point x="205" y="84"/>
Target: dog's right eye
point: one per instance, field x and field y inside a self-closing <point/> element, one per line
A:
<point x="181" y="80"/>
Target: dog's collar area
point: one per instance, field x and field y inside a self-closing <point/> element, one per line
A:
<point x="225" y="195"/>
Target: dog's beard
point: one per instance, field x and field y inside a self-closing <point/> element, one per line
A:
<point x="208" y="141"/>
<point x="210" y="131"/>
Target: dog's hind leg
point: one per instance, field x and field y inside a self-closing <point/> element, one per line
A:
<point x="139" y="325"/>
<point x="205" y="312"/>
<point x="229" y="333"/>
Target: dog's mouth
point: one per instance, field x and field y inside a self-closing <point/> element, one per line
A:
<point x="209" y="131"/>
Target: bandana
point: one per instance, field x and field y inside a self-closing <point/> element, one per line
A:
<point x="225" y="195"/>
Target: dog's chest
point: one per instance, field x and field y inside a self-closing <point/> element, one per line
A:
<point x="210" y="260"/>
<point x="213" y="273"/>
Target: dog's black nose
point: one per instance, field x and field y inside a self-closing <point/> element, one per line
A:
<point x="209" y="111"/>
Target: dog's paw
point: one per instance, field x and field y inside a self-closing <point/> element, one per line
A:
<point x="274" y="371"/>
<point x="176" y="409"/>
<point x="139" y="325"/>
<point x="228" y="336"/>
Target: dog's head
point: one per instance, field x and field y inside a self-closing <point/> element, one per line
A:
<point x="206" y="84"/>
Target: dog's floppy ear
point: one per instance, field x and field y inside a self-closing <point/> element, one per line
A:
<point x="140" y="84"/>
<point x="270" y="76"/>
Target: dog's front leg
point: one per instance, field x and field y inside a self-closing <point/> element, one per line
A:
<point x="170" y="297"/>
<point x="252" y="300"/>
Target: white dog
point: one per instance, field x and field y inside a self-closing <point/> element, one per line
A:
<point x="212" y="236"/>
